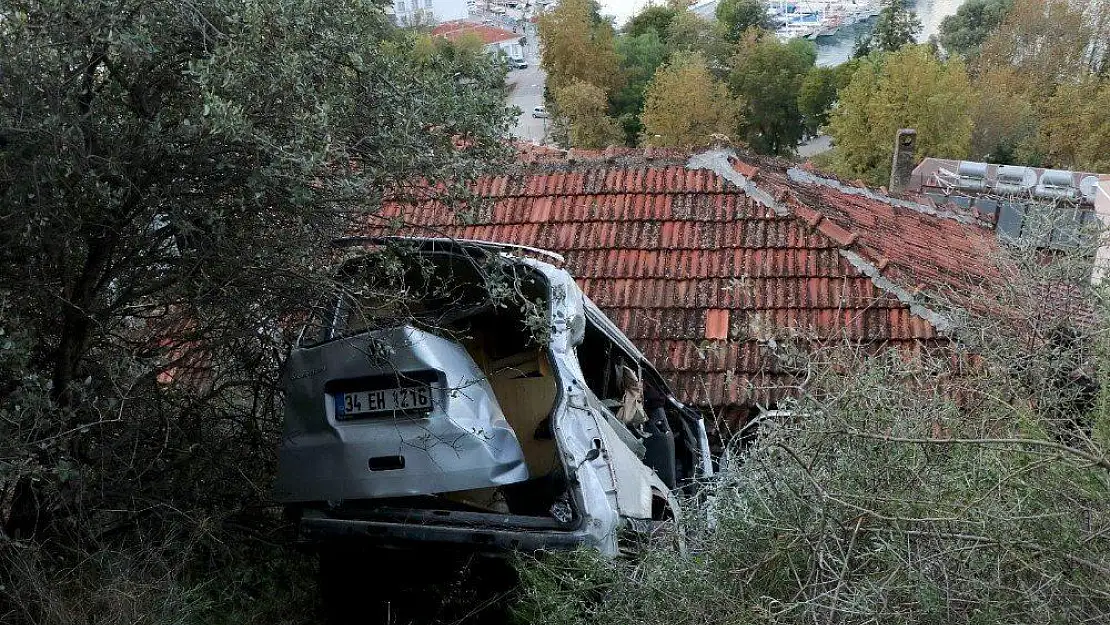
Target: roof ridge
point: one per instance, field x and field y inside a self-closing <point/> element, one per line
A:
<point x="799" y="175"/>
<point x="785" y="202"/>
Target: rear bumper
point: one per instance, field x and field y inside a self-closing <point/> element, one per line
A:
<point x="495" y="536"/>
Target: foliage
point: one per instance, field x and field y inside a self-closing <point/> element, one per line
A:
<point x="1078" y="135"/>
<point x="170" y="188"/>
<point x="689" y="32"/>
<point x="652" y="18"/>
<point x="817" y="94"/>
<point x="467" y="49"/>
<point x="738" y="16"/>
<point x="583" y="110"/>
<point x="901" y="489"/>
<point x="640" y="56"/>
<point x="895" y="27"/>
<point x="686" y="105"/>
<point x="767" y="76"/>
<point x="1005" y="120"/>
<point x="578" y="47"/>
<point x="910" y="88"/>
<point x="1034" y="73"/>
<point x="1048" y="41"/>
<point x="966" y="30"/>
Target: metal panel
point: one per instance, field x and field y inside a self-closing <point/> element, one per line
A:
<point x="986" y="207"/>
<point x="961" y="200"/>
<point x="1066" y="231"/>
<point x="1010" y="218"/>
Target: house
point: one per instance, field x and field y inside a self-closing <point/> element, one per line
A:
<point x="494" y="39"/>
<point x="427" y="12"/>
<point x="703" y="258"/>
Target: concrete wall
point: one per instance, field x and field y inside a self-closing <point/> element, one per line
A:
<point x="512" y="49"/>
<point x="901" y="167"/>
<point x="1102" y="209"/>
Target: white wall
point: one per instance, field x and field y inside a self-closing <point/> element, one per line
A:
<point x="510" y="48"/>
<point x="447" y="10"/>
<point x="428" y="12"/>
<point x="1102" y="209"/>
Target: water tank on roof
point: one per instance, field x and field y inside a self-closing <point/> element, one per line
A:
<point x="972" y="176"/>
<point x="1014" y="180"/>
<point x="1056" y="184"/>
<point x="1088" y="188"/>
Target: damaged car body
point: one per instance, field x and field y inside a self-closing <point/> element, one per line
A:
<point x="468" y="394"/>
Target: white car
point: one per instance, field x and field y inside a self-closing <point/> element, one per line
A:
<point x="540" y="112"/>
<point x="465" y="394"/>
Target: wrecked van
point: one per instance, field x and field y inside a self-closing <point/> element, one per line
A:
<point x="468" y="394"/>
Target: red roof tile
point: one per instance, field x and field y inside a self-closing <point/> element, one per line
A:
<point x="451" y="31"/>
<point x="716" y="324"/>
<point x="700" y="271"/>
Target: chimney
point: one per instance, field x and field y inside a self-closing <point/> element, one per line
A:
<point x="901" y="169"/>
<point x="1102" y="211"/>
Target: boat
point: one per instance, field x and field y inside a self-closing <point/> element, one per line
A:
<point x="808" y="19"/>
<point x="818" y="18"/>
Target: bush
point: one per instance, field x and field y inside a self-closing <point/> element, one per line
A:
<point x="171" y="177"/>
<point x="955" y="486"/>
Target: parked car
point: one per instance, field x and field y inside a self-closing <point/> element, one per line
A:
<point x="517" y="63"/>
<point x="540" y="111"/>
<point x="468" y="394"/>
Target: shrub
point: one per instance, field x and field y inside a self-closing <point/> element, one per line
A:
<point x="968" y="484"/>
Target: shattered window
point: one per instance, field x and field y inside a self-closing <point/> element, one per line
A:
<point x="387" y="289"/>
<point x="437" y="291"/>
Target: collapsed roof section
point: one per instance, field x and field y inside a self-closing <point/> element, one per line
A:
<point x="702" y="258"/>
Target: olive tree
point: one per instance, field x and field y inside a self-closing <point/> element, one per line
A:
<point x="171" y="175"/>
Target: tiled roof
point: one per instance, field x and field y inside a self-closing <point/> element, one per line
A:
<point x="488" y="34"/>
<point x="700" y="259"/>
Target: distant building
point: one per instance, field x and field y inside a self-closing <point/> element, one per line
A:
<point x="707" y="9"/>
<point x="494" y="39"/>
<point x="427" y="12"/>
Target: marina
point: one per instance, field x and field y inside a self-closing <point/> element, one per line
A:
<point x="834" y="25"/>
<point x="819" y="18"/>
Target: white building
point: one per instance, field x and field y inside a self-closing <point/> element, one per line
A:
<point x="427" y="12"/>
<point x="494" y="39"/>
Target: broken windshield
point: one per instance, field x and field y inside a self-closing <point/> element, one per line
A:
<point x="438" y="291"/>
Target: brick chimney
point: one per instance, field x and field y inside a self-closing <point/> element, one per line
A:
<point x="1102" y="211"/>
<point x="901" y="169"/>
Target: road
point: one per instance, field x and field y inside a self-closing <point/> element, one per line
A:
<point x="526" y="85"/>
<point x="527" y="93"/>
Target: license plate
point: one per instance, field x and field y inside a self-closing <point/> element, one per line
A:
<point x="360" y="403"/>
